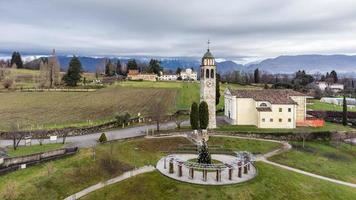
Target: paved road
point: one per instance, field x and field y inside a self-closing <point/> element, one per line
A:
<point x="90" y="139"/>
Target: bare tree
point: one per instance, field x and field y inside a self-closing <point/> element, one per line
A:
<point x="16" y="135"/>
<point x="158" y="111"/>
<point x="304" y="136"/>
<point x="50" y="71"/>
<point x="178" y="119"/>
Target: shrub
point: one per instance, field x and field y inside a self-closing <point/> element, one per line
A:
<point x="8" y="83"/>
<point x="102" y="138"/>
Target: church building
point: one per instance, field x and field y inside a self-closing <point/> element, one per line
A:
<point x="265" y="108"/>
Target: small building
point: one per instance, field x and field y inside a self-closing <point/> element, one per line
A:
<point x="189" y="74"/>
<point x="335" y="87"/>
<point x="136" y="75"/>
<point x="168" y="77"/>
<point x="265" y="108"/>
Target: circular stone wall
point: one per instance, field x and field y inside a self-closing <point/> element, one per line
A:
<point x="213" y="177"/>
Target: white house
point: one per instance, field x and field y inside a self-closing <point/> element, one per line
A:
<point x="189" y="74"/>
<point x="335" y="87"/>
<point x="265" y="108"/>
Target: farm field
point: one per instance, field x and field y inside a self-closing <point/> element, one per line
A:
<point x="315" y="104"/>
<point x="322" y="158"/>
<point x="59" y="109"/>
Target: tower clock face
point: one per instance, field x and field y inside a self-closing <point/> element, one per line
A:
<point x="209" y="83"/>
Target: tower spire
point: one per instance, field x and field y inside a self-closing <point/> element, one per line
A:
<point x="208" y="44"/>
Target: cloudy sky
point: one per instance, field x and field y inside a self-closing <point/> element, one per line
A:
<point x="236" y="28"/>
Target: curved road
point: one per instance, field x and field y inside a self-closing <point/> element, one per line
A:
<point x="91" y="139"/>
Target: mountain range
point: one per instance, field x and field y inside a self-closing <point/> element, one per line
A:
<point x="283" y="64"/>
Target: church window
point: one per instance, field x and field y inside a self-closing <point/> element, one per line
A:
<point x="271" y="120"/>
<point x="207" y="73"/>
<point x="263" y="119"/>
<point x="280" y="119"/>
<point x="289" y="120"/>
<point x="289" y="109"/>
<point x="263" y="105"/>
<point x="212" y="73"/>
<point x="280" y="109"/>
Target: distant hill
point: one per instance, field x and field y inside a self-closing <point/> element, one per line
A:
<point x="282" y="64"/>
<point x="309" y="63"/>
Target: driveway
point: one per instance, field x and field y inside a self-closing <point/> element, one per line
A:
<point x="90" y="139"/>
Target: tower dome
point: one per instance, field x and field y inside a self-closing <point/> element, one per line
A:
<point x="208" y="54"/>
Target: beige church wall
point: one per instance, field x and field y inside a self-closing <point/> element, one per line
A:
<point x="276" y="115"/>
<point x="230" y="109"/>
<point x="301" y="107"/>
<point x="246" y="111"/>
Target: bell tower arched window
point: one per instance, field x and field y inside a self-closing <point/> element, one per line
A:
<point x="207" y="73"/>
<point x="212" y="73"/>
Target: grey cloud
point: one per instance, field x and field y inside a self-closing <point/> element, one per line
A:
<point x="178" y="27"/>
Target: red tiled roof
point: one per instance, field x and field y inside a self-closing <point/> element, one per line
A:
<point x="274" y="96"/>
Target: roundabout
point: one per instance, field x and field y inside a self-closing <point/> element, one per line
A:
<point x="229" y="170"/>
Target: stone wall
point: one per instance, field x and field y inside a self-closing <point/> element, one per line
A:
<point x="14" y="163"/>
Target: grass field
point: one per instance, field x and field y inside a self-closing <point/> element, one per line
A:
<point x="72" y="174"/>
<point x="322" y="158"/>
<point x="236" y="144"/>
<point x="58" y="109"/>
<point x="26" y="150"/>
<point x="248" y="129"/>
<point x="317" y="105"/>
<point x="271" y="183"/>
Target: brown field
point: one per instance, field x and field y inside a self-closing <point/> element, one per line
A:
<point x="58" y="109"/>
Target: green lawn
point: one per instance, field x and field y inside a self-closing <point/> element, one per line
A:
<point x="77" y="172"/>
<point x="271" y="183"/>
<point x="26" y="150"/>
<point x="253" y="129"/>
<point x="322" y="158"/>
<point x="235" y="144"/>
<point x="317" y="105"/>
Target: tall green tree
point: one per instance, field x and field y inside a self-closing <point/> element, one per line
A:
<point x="73" y="75"/>
<point x="194" y="116"/>
<point x="257" y="75"/>
<point x="16" y="59"/>
<point x="203" y="115"/>
<point x="344" y="111"/>
<point x="131" y="64"/>
<point x="217" y="89"/>
<point x="154" y="67"/>
<point x="178" y="71"/>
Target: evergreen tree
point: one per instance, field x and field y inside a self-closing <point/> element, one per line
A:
<point x="203" y="115"/>
<point x="266" y="86"/>
<point x="132" y="65"/>
<point x="119" y="68"/>
<point x="154" y="67"/>
<point x="194" y="116"/>
<point x="73" y="75"/>
<point x="344" y="112"/>
<point x="217" y="88"/>
<point x="204" y="156"/>
<point x="257" y="75"/>
<point x="103" y="138"/>
<point x="178" y="71"/>
<point x="16" y="59"/>
<point x="334" y="77"/>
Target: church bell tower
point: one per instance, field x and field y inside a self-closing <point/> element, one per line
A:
<point x="207" y="85"/>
